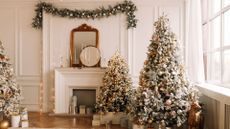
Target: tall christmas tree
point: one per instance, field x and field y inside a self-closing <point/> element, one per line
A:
<point x="9" y="92"/>
<point x="165" y="94"/>
<point x="114" y="95"/>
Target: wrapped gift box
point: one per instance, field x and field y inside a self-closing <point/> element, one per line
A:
<point x="89" y="110"/>
<point x="82" y="109"/>
<point x="24" y="123"/>
<point x="135" y="126"/>
<point x="106" y="117"/>
<point x="124" y="122"/>
<point x="117" y="117"/>
<point x="96" y="117"/>
<point x="95" y="122"/>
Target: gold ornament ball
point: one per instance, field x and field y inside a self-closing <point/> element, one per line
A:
<point x="4" y="124"/>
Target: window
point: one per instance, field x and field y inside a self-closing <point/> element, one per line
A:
<point x="216" y="41"/>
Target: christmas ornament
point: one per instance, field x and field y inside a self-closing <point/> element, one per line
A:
<point x="4" y="124"/>
<point x="179" y="111"/>
<point x="127" y="7"/>
<point x="168" y="102"/>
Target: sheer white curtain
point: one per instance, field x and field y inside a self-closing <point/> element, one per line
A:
<point x="194" y="50"/>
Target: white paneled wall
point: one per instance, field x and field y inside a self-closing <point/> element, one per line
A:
<point x="29" y="46"/>
<point x="8" y="29"/>
<point x="23" y="46"/>
<point x="26" y="45"/>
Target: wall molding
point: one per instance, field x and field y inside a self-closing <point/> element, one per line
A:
<point x="24" y="81"/>
<point x="31" y="107"/>
<point x="20" y="47"/>
<point x="26" y="98"/>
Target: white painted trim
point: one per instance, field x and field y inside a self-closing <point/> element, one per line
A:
<point x="45" y="60"/>
<point x="37" y="78"/>
<point x="218" y="93"/>
<point x="74" y="78"/>
<point x="19" y="42"/>
<point x="31" y="107"/>
<point x="29" y="85"/>
<point x="16" y="42"/>
<point x="34" y="86"/>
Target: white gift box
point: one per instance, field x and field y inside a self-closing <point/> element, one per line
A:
<point x="24" y="123"/>
<point x="117" y="117"/>
<point x="135" y="126"/>
<point x="106" y="117"/>
<point x="82" y="109"/>
<point x="24" y="116"/>
<point x="15" y="120"/>
<point x="124" y="122"/>
<point x="112" y="116"/>
<point x="96" y="117"/>
<point x="89" y="110"/>
<point x="95" y="122"/>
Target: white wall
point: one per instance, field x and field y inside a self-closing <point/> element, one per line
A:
<point x="24" y="43"/>
<point x="23" y="46"/>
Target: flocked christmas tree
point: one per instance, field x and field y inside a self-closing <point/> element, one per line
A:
<point x="165" y="94"/>
<point x="9" y="92"/>
<point x="114" y="95"/>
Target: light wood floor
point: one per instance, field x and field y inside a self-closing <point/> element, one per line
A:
<point x="46" y="121"/>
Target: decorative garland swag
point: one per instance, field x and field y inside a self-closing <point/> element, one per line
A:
<point x="126" y="7"/>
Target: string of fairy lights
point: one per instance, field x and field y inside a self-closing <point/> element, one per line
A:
<point x="53" y="98"/>
<point x="41" y="83"/>
<point x="41" y="96"/>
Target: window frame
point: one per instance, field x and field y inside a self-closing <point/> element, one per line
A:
<point x="207" y="21"/>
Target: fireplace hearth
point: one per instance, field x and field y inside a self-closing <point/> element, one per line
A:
<point x="70" y="81"/>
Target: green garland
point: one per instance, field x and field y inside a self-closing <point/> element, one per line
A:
<point x="126" y="7"/>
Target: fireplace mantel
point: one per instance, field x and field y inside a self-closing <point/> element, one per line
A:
<point x="67" y="79"/>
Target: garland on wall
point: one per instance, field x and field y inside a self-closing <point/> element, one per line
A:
<point x="127" y="7"/>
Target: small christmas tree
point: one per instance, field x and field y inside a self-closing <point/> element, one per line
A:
<point x="165" y="94"/>
<point x="115" y="93"/>
<point x="9" y="92"/>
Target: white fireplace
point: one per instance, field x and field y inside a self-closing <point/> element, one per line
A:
<point x="67" y="79"/>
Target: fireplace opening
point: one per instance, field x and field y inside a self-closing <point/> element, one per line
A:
<point x="86" y="99"/>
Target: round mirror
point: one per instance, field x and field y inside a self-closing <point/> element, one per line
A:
<point x="90" y="56"/>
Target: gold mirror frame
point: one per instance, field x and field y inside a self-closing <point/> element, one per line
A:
<point x="82" y="28"/>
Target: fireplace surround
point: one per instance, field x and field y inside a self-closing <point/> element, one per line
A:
<point x="68" y="79"/>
